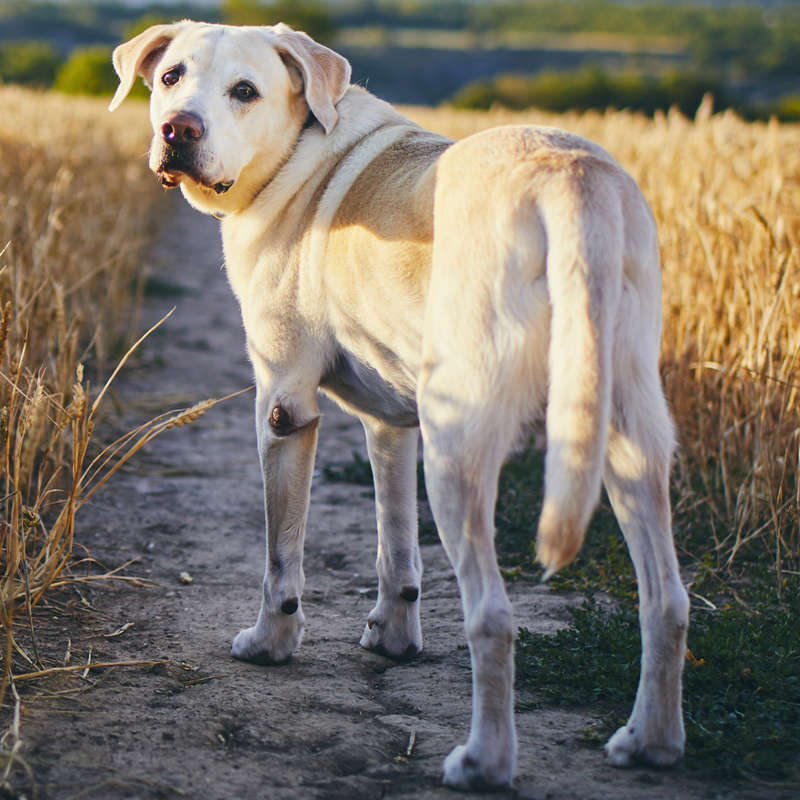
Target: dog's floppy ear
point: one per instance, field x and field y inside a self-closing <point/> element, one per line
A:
<point x="139" y="56"/>
<point x="326" y="74"/>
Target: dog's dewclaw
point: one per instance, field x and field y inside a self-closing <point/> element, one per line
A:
<point x="409" y="593"/>
<point x="290" y="605"/>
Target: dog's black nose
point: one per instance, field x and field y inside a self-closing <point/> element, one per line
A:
<point x="182" y="128"/>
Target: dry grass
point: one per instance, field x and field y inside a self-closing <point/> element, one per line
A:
<point x="75" y="195"/>
<point x="726" y="195"/>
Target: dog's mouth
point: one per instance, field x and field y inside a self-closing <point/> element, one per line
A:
<point x="169" y="180"/>
<point x="175" y="167"/>
<point x="172" y="178"/>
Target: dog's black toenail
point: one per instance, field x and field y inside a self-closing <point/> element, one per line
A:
<point x="289" y="606"/>
<point x="409" y="593"/>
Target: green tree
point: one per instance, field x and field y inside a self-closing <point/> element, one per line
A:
<point x="737" y="39"/>
<point x="591" y="87"/>
<point x="788" y="108"/>
<point x="32" y="63"/>
<point x="87" y="71"/>
<point x="310" y="16"/>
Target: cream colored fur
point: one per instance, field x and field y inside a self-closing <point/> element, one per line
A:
<point x="463" y="289"/>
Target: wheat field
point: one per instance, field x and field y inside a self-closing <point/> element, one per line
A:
<point x="75" y="195"/>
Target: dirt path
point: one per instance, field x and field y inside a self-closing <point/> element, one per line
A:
<point x="337" y="721"/>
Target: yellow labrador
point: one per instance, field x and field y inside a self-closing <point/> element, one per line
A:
<point x="458" y="288"/>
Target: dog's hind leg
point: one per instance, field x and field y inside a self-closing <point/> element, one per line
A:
<point x="470" y="421"/>
<point x="462" y="463"/>
<point x="484" y="370"/>
<point x="287" y="441"/>
<point x="636" y="479"/>
<point x="393" y="627"/>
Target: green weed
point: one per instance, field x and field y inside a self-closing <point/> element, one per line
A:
<point x="741" y="681"/>
<point x="357" y="471"/>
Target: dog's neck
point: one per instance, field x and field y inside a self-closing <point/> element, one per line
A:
<point x="310" y="122"/>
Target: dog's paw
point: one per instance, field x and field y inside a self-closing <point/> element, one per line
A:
<point x="629" y="746"/>
<point x="269" y="644"/>
<point x="398" y="650"/>
<point x="394" y="629"/>
<point x="464" y="770"/>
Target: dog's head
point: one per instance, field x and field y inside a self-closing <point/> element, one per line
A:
<point x="228" y="104"/>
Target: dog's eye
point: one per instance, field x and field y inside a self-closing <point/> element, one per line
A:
<point x="245" y="92"/>
<point x="172" y="76"/>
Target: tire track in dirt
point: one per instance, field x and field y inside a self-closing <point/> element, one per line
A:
<point x="337" y="722"/>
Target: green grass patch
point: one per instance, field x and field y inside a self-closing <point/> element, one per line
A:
<point x="603" y="562"/>
<point x="595" y="659"/>
<point x="357" y="471"/>
<point x="741" y="681"/>
<point x="519" y="502"/>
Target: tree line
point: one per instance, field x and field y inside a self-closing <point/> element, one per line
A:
<point x="725" y="45"/>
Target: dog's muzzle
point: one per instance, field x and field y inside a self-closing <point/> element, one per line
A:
<point x="180" y="134"/>
<point x="174" y="164"/>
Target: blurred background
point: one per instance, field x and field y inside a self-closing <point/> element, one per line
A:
<point x="557" y="55"/>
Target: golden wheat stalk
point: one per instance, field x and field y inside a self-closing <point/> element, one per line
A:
<point x="42" y="673"/>
<point x="111" y="460"/>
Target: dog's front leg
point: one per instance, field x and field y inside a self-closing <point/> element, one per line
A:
<point x="393" y="627"/>
<point x="287" y="442"/>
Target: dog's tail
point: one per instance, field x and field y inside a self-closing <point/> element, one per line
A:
<point x="583" y="221"/>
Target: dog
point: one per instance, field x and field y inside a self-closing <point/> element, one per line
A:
<point x="461" y="289"/>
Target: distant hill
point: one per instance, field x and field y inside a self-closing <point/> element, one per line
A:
<point x="425" y="52"/>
